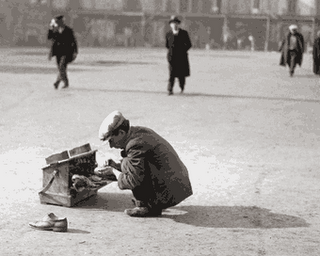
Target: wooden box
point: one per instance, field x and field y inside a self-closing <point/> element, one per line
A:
<point x="58" y="173"/>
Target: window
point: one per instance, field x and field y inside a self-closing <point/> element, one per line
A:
<point x="184" y="5"/>
<point x="256" y="4"/>
<point x="292" y="4"/>
<point x="216" y="7"/>
<point x="132" y="5"/>
<point x="206" y="6"/>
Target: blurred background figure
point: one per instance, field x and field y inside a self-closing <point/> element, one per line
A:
<point x="292" y="49"/>
<point x="64" y="47"/>
<point x="316" y="54"/>
<point x="178" y="43"/>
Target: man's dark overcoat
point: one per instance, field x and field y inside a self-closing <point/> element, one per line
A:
<point x="178" y="46"/>
<point x="63" y="44"/>
<point x="152" y="165"/>
<point x="316" y="56"/>
<point x="284" y="49"/>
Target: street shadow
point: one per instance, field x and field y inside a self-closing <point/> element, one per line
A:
<point x="307" y="75"/>
<point x="201" y="216"/>
<point x="201" y="95"/>
<point x="108" y="63"/>
<point x="232" y="217"/>
<point x="77" y="231"/>
<point x="30" y="53"/>
<point x="116" y="202"/>
<point x="34" y="70"/>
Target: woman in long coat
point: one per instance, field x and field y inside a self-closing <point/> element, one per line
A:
<point x="316" y="55"/>
<point x="178" y="43"/>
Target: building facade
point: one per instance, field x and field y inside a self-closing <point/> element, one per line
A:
<point x="222" y="24"/>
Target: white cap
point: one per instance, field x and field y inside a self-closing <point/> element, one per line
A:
<point x="293" y="27"/>
<point x="109" y="124"/>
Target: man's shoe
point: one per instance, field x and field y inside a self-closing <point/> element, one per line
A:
<point x="170" y="93"/>
<point x="143" y="212"/>
<point x="65" y="86"/>
<point x="51" y="222"/>
<point x="56" y="85"/>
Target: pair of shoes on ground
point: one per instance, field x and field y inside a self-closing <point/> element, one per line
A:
<point x="51" y="222"/>
<point x="143" y="212"/>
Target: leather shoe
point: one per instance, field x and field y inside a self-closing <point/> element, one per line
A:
<point x="51" y="222"/>
<point x="143" y="212"/>
<point x="56" y="85"/>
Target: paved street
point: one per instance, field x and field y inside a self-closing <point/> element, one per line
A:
<point x="247" y="132"/>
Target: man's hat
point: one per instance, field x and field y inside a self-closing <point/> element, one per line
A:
<point x="59" y="18"/>
<point x="174" y="19"/>
<point x="109" y="124"/>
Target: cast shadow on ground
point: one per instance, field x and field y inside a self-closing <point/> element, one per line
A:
<point x="108" y="63"/>
<point x="202" y="216"/>
<point x="250" y="97"/>
<point x="33" y="70"/>
<point x="116" y="202"/>
<point x="306" y="75"/>
<point x="77" y="231"/>
<point x="233" y="217"/>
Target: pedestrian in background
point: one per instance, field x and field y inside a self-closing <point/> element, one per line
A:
<point x="64" y="47"/>
<point x="292" y="49"/>
<point x="316" y="54"/>
<point x="178" y="43"/>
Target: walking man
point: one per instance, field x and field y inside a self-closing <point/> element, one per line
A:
<point x="64" y="47"/>
<point x="150" y="167"/>
<point x="292" y="49"/>
<point x="178" y="43"/>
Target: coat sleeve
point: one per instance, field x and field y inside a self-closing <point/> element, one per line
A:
<point x="188" y="44"/>
<point x="74" y="42"/>
<point x="282" y="45"/>
<point x="51" y="34"/>
<point x="132" y="168"/>
<point x="302" y="42"/>
<point x="316" y="49"/>
<point x="167" y="41"/>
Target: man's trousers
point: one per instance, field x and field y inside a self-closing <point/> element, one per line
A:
<point x="182" y="82"/>
<point x="62" y="68"/>
<point x="293" y="61"/>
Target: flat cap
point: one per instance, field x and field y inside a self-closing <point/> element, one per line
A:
<point x="109" y="124"/>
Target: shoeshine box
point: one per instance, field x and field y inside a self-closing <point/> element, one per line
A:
<point x="57" y="176"/>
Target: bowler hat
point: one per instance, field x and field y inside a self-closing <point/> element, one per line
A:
<point x="174" y="19"/>
<point x="59" y="17"/>
<point x="109" y="124"/>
